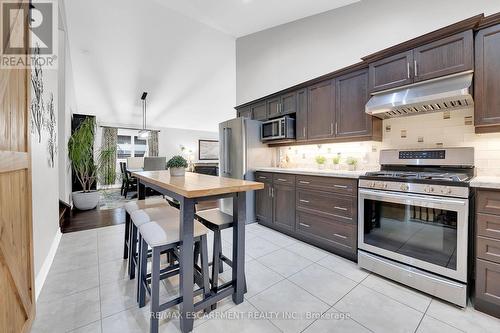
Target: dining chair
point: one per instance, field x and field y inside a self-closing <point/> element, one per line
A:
<point x="155" y="163"/>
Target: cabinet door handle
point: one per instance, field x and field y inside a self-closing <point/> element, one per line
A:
<point x="331" y="128"/>
<point x="336" y="128"/>
<point x="277" y="108"/>
<point x="342" y="217"/>
<point x="305" y="225"/>
<point x="304" y="132"/>
<point x="272" y="192"/>
<point x="282" y="180"/>
<point x="340" y="236"/>
<point x="304" y="201"/>
<point x="269" y="191"/>
<point x="415" y="67"/>
<point x="340" y="186"/>
<point x="304" y="182"/>
<point x="340" y="208"/>
<point x="262" y="177"/>
<point x="408" y="69"/>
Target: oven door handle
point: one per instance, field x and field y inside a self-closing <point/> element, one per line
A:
<point x="411" y="199"/>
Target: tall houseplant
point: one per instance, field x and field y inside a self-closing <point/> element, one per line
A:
<point x="87" y="169"/>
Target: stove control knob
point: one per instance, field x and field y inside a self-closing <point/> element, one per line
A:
<point x="428" y="189"/>
<point x="404" y="187"/>
<point x="384" y="185"/>
<point x="446" y="190"/>
<point x="373" y="184"/>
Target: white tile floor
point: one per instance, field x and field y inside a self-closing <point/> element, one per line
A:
<point x="292" y="287"/>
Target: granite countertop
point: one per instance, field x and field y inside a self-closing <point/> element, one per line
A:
<point x="486" y="182"/>
<point x="316" y="172"/>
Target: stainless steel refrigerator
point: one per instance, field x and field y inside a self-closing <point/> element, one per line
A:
<point x="241" y="151"/>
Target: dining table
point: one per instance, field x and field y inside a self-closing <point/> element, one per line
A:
<point x="189" y="190"/>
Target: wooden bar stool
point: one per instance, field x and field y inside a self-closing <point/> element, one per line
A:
<point x="163" y="237"/>
<point x="130" y="232"/>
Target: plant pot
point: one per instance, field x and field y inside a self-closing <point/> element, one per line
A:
<point x="321" y="166"/>
<point x="336" y="167"/>
<point x="177" y="172"/>
<point x="85" y="200"/>
<point x="351" y="167"/>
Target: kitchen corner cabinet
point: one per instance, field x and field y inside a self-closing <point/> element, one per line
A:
<point x="321" y="211"/>
<point x="487" y="80"/>
<point x="453" y="54"/>
<point x="245" y="113"/>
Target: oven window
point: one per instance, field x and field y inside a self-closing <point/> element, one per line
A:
<point x="426" y="234"/>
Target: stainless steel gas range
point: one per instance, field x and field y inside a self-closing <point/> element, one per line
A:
<point x="414" y="219"/>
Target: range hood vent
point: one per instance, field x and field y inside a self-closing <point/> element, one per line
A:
<point x="448" y="93"/>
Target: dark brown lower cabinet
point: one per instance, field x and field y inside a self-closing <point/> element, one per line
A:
<point x="487" y="243"/>
<point x="284" y="206"/>
<point x="321" y="211"/>
<point x="264" y="203"/>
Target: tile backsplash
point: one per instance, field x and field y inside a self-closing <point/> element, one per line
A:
<point x="441" y="129"/>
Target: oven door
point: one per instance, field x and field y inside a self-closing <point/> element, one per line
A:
<point x="428" y="232"/>
<point x="272" y="129"/>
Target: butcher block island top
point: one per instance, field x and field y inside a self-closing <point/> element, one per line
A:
<point x="194" y="185"/>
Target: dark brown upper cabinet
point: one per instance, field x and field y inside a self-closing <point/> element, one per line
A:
<point x="446" y="56"/>
<point x="282" y="105"/>
<point x="487" y="80"/>
<point x="301" y="116"/>
<point x="321" y="110"/>
<point x="273" y="107"/>
<point x="351" y="95"/>
<point x="391" y="72"/>
<point x="245" y="112"/>
<point x="259" y="111"/>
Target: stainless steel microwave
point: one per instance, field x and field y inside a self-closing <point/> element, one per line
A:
<point x="278" y="129"/>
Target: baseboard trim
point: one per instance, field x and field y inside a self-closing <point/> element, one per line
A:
<point x="47" y="263"/>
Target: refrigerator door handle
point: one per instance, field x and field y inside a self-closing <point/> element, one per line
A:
<point x="227" y="156"/>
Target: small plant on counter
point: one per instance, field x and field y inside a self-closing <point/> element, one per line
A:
<point x="351" y="163"/>
<point x="177" y="165"/>
<point x="336" y="161"/>
<point x="320" y="160"/>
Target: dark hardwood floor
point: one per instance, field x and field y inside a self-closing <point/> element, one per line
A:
<point x="91" y="219"/>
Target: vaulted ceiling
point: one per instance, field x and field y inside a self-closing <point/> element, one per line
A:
<point x="182" y="52"/>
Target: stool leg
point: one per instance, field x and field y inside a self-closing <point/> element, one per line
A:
<point x="155" y="292"/>
<point x="216" y="263"/>
<point x="126" y="239"/>
<point x="204" y="267"/>
<point x="132" y="252"/>
<point x="221" y="263"/>
<point x="143" y="270"/>
<point x="139" y="263"/>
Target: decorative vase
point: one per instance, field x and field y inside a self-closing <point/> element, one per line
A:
<point x="177" y="172"/>
<point x="85" y="200"/>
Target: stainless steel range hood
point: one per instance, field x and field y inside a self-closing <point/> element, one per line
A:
<point x="448" y="93"/>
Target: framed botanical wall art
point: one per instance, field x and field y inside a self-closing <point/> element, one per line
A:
<point x="208" y="150"/>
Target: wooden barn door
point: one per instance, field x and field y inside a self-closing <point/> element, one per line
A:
<point x="17" y="301"/>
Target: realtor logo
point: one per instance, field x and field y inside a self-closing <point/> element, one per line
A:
<point x="21" y="48"/>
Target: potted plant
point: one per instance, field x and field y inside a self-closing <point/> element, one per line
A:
<point x="336" y="162"/>
<point x="177" y="166"/>
<point x="351" y="163"/>
<point x="81" y="155"/>
<point x="321" y="160"/>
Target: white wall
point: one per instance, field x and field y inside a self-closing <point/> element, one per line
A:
<point x="280" y="57"/>
<point x="170" y="141"/>
<point x="45" y="194"/>
<point x="120" y="48"/>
